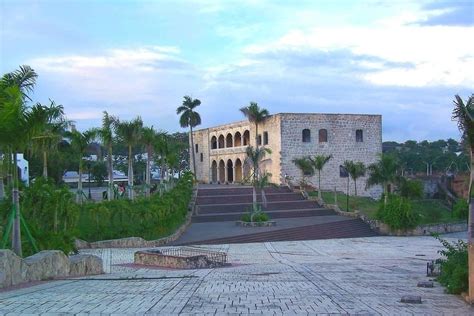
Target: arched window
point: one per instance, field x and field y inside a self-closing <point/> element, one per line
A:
<point x="214" y="142"/>
<point x="265" y="138"/>
<point x="221" y="142"/>
<point x="306" y="135"/>
<point x="246" y="138"/>
<point x="359" y="136"/>
<point x="237" y="139"/>
<point x="259" y="139"/>
<point x="228" y="141"/>
<point x="323" y="135"/>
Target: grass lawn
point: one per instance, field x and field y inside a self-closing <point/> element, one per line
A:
<point x="430" y="211"/>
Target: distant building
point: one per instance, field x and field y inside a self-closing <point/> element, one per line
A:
<point x="220" y="151"/>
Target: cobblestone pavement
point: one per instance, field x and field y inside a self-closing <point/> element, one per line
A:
<point x="341" y="276"/>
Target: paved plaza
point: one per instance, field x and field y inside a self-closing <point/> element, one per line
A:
<point x="364" y="276"/>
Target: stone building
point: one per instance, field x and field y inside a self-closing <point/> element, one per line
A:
<point x="220" y="150"/>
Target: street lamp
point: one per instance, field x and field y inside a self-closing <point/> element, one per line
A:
<point x="89" y="178"/>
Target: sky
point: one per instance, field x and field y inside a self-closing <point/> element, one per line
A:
<point x="403" y="59"/>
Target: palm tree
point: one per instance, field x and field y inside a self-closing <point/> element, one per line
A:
<point x="318" y="163"/>
<point x="106" y="135"/>
<point x="48" y="125"/>
<point x="306" y="168"/>
<point x="190" y="118"/>
<point x="149" y="136"/>
<point x="383" y="172"/>
<point x="129" y="132"/>
<point x="14" y="89"/>
<point x="355" y="170"/>
<point x="254" y="158"/>
<point x="464" y="114"/>
<point x="256" y="115"/>
<point x="80" y="142"/>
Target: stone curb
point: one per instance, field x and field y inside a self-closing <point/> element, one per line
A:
<point x="422" y="230"/>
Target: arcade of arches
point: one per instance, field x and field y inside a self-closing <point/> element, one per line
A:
<point x="229" y="141"/>
<point x="228" y="171"/>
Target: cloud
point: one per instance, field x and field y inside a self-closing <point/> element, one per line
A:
<point x="125" y="82"/>
<point x="458" y="13"/>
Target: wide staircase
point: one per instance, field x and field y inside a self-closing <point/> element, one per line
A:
<point x="229" y="203"/>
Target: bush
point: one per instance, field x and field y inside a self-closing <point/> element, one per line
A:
<point x="461" y="209"/>
<point x="55" y="219"/>
<point x="411" y="189"/>
<point x="454" y="266"/>
<point x="398" y="213"/>
<point x="258" y="217"/>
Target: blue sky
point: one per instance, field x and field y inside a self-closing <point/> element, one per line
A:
<point x="403" y="59"/>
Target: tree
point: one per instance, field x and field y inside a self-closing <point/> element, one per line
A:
<point x="80" y="143"/>
<point x="254" y="157"/>
<point x="48" y="125"/>
<point x="464" y="114"/>
<point x="190" y="118"/>
<point x="255" y="115"/>
<point x="383" y="172"/>
<point x="14" y="90"/>
<point x="149" y="136"/>
<point x="129" y="132"/>
<point x="318" y="163"/>
<point x="355" y="170"/>
<point x="106" y="135"/>
<point x="306" y="167"/>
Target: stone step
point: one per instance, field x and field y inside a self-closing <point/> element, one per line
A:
<point x="351" y="228"/>
<point x="224" y="217"/>
<point x="238" y="190"/>
<point x="247" y="198"/>
<point x="245" y="207"/>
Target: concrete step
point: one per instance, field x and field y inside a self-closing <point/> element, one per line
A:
<point x="245" y="207"/>
<point x="351" y="228"/>
<point x="235" y="216"/>
<point x="247" y="198"/>
<point x="238" y="190"/>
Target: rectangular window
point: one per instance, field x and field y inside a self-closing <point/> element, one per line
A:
<point x="259" y="140"/>
<point x="359" y="136"/>
<point x="265" y="138"/>
<point x="197" y="147"/>
<point x="202" y="158"/>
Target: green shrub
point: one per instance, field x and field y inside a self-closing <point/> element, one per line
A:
<point x="411" y="189"/>
<point x="454" y="266"/>
<point x="398" y="213"/>
<point x="461" y="209"/>
<point x="55" y="219"/>
<point x="257" y="217"/>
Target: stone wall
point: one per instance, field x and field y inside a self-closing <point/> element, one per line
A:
<point x="45" y="265"/>
<point x="341" y="144"/>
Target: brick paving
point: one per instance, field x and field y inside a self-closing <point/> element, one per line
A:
<point x="341" y="276"/>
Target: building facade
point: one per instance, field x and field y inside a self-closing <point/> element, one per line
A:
<point x="220" y="151"/>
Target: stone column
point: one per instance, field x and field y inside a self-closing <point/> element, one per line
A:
<point x="226" y="173"/>
<point x="233" y="173"/>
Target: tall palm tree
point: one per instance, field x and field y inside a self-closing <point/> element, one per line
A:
<point x="255" y="115"/>
<point x="48" y="124"/>
<point x="162" y="150"/>
<point x="80" y="142"/>
<point x="383" y="172"/>
<point x="464" y="114"/>
<point x="318" y="163"/>
<point x="190" y="118"/>
<point x="355" y="170"/>
<point x="306" y="167"/>
<point x="149" y="136"/>
<point x="106" y="135"/>
<point x="254" y="157"/>
<point x="129" y="132"/>
<point x="14" y="90"/>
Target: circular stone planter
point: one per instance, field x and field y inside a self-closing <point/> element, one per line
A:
<point x="255" y="224"/>
<point x="181" y="258"/>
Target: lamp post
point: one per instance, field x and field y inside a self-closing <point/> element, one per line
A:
<point x="89" y="178"/>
